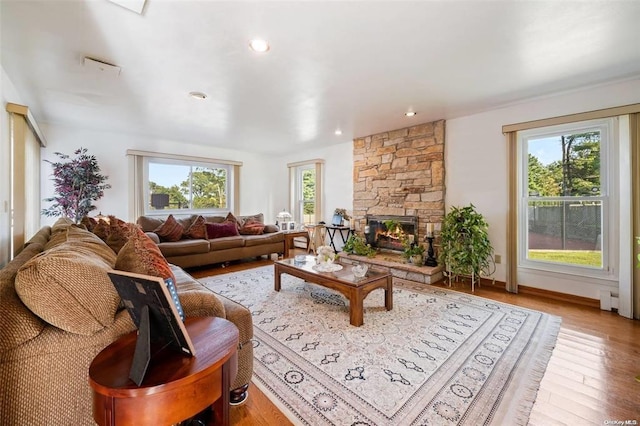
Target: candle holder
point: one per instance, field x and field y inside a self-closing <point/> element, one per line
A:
<point x="430" y="260"/>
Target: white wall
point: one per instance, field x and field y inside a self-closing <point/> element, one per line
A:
<point x="256" y="176"/>
<point x="476" y="166"/>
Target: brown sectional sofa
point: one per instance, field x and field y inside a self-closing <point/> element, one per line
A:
<point x="61" y="275"/>
<point x="188" y="253"/>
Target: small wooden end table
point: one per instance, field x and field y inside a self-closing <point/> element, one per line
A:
<point x="354" y="289"/>
<point x="175" y="387"/>
<point x="288" y="240"/>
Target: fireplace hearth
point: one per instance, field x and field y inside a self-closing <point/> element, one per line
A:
<point x="380" y="237"/>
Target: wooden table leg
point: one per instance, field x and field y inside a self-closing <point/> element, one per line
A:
<point x="276" y="278"/>
<point x="220" y="408"/>
<point x="356" y="315"/>
<point x="388" y="294"/>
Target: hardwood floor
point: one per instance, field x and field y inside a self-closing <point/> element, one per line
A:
<point x="590" y="379"/>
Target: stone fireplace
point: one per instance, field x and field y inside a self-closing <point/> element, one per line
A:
<point x="380" y="237"/>
<point x="400" y="173"/>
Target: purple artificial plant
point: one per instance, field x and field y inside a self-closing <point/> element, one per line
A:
<point x="77" y="183"/>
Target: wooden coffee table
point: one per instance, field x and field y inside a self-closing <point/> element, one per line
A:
<point x="343" y="281"/>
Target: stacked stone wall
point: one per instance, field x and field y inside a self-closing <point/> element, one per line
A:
<point x="400" y="172"/>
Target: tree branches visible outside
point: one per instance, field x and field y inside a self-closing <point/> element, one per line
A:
<point x="78" y="183"/>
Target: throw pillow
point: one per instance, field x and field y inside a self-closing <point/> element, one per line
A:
<point x="89" y="223"/>
<point x="252" y="227"/>
<point x="197" y="230"/>
<point x="101" y="229"/>
<point x="231" y="218"/>
<point x="142" y="256"/>
<point x="269" y="229"/>
<point x="219" y="230"/>
<point x="170" y="230"/>
<point x="118" y="234"/>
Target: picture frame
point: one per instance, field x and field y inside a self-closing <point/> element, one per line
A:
<point x="150" y="303"/>
<point x="292" y="226"/>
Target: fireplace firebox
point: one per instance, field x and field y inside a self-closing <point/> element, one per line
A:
<point x="380" y="237"/>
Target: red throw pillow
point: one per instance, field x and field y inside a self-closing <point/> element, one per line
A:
<point x="252" y="227"/>
<point x="170" y="230"/>
<point x="197" y="230"/>
<point x="219" y="230"/>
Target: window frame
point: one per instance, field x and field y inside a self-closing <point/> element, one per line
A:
<point x="300" y="201"/>
<point x="229" y="187"/>
<point x="608" y="190"/>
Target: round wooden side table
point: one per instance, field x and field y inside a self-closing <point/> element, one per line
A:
<point x="175" y="387"/>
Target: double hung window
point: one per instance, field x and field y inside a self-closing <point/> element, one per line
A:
<point x="565" y="192"/>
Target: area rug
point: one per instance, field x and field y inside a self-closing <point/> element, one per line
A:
<point x="439" y="357"/>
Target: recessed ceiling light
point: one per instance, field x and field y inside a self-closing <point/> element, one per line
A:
<point x="198" y="95"/>
<point x="338" y="132"/>
<point x="259" y="45"/>
<point x="410" y="113"/>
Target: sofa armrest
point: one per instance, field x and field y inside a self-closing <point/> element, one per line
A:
<point x="154" y="237"/>
<point x="201" y="303"/>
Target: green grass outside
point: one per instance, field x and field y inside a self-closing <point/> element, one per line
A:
<point x="573" y="257"/>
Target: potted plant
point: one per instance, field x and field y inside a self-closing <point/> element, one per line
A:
<point x="357" y="244"/>
<point x="413" y="252"/>
<point x="77" y="182"/>
<point x="465" y="248"/>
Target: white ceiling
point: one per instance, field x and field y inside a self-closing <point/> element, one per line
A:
<point x="357" y="66"/>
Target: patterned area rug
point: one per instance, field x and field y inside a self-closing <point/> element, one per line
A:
<point x="439" y="357"/>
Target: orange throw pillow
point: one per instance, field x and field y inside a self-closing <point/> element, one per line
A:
<point x="252" y="227"/>
<point x="141" y="255"/>
<point x="170" y="230"/>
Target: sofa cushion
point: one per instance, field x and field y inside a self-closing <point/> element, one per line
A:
<point x="220" y="230"/>
<point x="226" y="243"/>
<point x="252" y="227"/>
<point x="256" y="240"/>
<point x="61" y="224"/>
<point x="149" y="223"/>
<point x="184" y="247"/>
<point x="68" y="286"/>
<point x="19" y="324"/>
<point x="197" y="230"/>
<point x="142" y="256"/>
<point x="196" y="299"/>
<point x="214" y="219"/>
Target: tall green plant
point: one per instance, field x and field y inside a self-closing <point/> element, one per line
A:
<point x="464" y="242"/>
<point x="78" y="183"/>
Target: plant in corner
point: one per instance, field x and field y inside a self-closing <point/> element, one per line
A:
<point x="78" y="183"/>
<point x="356" y="244"/>
<point x="465" y="248"/>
